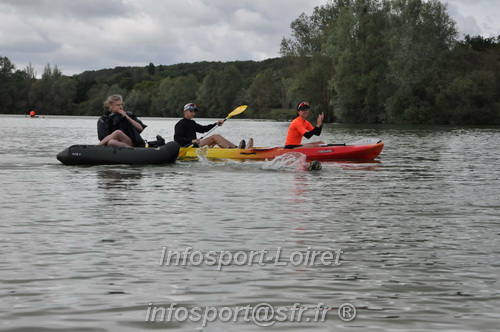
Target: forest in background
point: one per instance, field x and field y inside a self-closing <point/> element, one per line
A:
<point x="359" y="61"/>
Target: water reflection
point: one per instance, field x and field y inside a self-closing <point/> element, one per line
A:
<point x="125" y="182"/>
<point x="114" y="178"/>
<point x="299" y="186"/>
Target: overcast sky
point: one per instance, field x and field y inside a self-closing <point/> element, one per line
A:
<point x="79" y="35"/>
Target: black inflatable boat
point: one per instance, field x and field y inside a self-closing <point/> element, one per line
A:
<point x="107" y="155"/>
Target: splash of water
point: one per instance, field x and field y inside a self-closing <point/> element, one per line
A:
<point x="202" y="154"/>
<point x="289" y="161"/>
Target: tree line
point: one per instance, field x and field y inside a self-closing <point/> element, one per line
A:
<point x="359" y="61"/>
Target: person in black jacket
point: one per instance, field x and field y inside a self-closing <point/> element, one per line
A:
<point x="117" y="127"/>
<point x="186" y="129"/>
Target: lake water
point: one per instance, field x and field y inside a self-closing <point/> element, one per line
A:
<point x="410" y="241"/>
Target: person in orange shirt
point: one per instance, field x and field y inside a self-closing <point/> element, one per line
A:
<point x="300" y="127"/>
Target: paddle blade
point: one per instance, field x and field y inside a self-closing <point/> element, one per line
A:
<point x="183" y="152"/>
<point x="237" y="110"/>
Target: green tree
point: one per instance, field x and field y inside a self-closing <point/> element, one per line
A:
<point x="151" y="69"/>
<point x="220" y="90"/>
<point x="62" y="94"/>
<point x="311" y="69"/>
<point x="53" y="93"/>
<point x="40" y="93"/>
<point x="358" y="49"/>
<point x="6" y="85"/>
<point x="159" y="100"/>
<point x="207" y="93"/>
<point x="471" y="99"/>
<point x="30" y="71"/>
<point x="264" y="93"/>
<point x="469" y="93"/>
<point x="228" y="87"/>
<point x="173" y="94"/>
<point x="423" y="35"/>
<point x="144" y="99"/>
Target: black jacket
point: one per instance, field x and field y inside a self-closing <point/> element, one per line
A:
<point x="109" y="122"/>
<point x="185" y="131"/>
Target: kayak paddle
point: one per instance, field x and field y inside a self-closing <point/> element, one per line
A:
<point x="236" y="111"/>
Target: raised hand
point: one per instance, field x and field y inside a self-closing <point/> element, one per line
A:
<point x="321" y="117"/>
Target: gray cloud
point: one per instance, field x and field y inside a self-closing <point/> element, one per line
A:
<point x="476" y="17"/>
<point x="465" y="24"/>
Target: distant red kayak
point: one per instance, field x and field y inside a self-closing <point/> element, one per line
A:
<point x="365" y="149"/>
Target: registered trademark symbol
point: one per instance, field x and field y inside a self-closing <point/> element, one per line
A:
<point x="347" y="312"/>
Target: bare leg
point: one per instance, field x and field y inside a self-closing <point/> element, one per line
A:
<point x="115" y="142"/>
<point x="250" y="143"/>
<point x="217" y="140"/>
<point x="117" y="138"/>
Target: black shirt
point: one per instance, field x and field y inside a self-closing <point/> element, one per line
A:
<point x="185" y="131"/>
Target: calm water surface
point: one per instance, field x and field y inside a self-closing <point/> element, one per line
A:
<point x="419" y="231"/>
